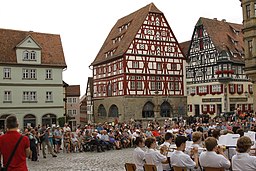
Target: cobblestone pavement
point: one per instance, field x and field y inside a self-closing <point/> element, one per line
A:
<point x="112" y="160"/>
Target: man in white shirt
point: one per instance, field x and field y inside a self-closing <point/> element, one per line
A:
<point x="139" y="154"/>
<point x="168" y="140"/>
<point x="179" y="158"/>
<point x="210" y="158"/>
<point x="242" y="160"/>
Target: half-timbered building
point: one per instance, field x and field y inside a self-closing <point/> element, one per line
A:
<point x="139" y="71"/>
<point x="216" y="81"/>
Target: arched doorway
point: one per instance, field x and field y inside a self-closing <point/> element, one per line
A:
<point x="2" y="121"/>
<point x="166" y="109"/>
<point x="29" y="120"/>
<point x="113" y="111"/>
<point x="148" y="110"/>
<point x="49" y="119"/>
<point x="102" y="111"/>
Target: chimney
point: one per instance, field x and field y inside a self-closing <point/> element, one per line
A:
<point x="223" y="20"/>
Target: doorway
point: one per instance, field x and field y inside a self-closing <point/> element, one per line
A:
<point x="197" y="110"/>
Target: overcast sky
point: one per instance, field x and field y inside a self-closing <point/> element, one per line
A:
<point x="85" y="24"/>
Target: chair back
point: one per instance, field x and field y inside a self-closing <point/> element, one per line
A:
<point x="149" y="167"/>
<point x="176" y="168"/>
<point x="213" y="169"/>
<point x="130" y="167"/>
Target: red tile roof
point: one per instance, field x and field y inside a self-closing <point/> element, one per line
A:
<point x="184" y="46"/>
<point x="135" y="19"/>
<point x="222" y="33"/>
<point x="73" y="91"/>
<point x="51" y="47"/>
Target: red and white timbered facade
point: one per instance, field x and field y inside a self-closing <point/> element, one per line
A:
<point x="142" y="59"/>
<point x="216" y="81"/>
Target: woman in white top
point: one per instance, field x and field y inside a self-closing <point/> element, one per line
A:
<point x="139" y="154"/>
<point x="153" y="156"/>
<point x="242" y="160"/>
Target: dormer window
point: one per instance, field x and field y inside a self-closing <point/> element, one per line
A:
<point x="29" y="55"/>
<point x="26" y="55"/>
<point x="33" y="55"/>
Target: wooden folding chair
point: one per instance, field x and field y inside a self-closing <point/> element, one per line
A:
<point x="213" y="169"/>
<point x="130" y="167"/>
<point x="149" y="167"/>
<point x="176" y="168"/>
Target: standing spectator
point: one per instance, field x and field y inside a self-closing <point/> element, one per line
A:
<point x="44" y="137"/>
<point x="8" y="142"/>
<point x="58" y="138"/>
<point x="33" y="145"/>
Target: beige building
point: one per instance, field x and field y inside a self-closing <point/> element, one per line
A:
<point x="249" y="22"/>
<point x="73" y="105"/>
<point x="31" y="66"/>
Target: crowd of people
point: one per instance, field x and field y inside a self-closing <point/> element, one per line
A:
<point x="101" y="137"/>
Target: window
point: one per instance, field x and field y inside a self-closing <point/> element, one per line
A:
<point x="48" y="74"/>
<point x="74" y="100"/>
<point x="135" y="64"/>
<point x="7" y="73"/>
<point x="139" y="85"/>
<point x="202" y="89"/>
<point x="69" y="112"/>
<point x="29" y="56"/>
<point x="239" y="88"/>
<point x="7" y="96"/>
<point x="216" y="88"/>
<point x="153" y="85"/>
<point x="29" y="96"/>
<point x="158" y="66"/>
<point x="250" y="47"/>
<point x="173" y="66"/>
<point x="25" y="55"/>
<point x="49" y="96"/>
<point x="193" y="90"/>
<point x="250" y="89"/>
<point x="171" y="85"/>
<point x="33" y="55"/>
<point x="204" y="108"/>
<point x="232" y="88"/>
<point x="212" y="108"/>
<point x="132" y="85"/>
<point x="248" y="11"/>
<point x="159" y="85"/>
<point x="74" y="112"/>
<point x="29" y="73"/>
<point x="69" y="100"/>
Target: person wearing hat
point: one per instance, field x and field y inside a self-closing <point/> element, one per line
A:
<point x="242" y="160"/>
<point x="180" y="159"/>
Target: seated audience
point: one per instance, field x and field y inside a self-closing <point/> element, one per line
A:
<point x="214" y="156"/>
<point x="168" y="140"/>
<point x="242" y="160"/>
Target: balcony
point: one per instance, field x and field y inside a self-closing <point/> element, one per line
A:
<point x="224" y="75"/>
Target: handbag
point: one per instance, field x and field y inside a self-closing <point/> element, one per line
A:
<point x="4" y="168"/>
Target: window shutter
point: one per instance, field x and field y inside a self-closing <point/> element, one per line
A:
<point x="235" y="88"/>
<point x="208" y="108"/>
<point x="213" y="108"/>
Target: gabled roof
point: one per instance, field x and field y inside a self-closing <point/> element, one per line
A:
<point x="184" y="47"/>
<point x="89" y="82"/>
<point x="51" y="47"/>
<point x="73" y="91"/>
<point x="222" y="34"/>
<point x="135" y="21"/>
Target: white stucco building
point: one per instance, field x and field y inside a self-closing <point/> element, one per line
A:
<point x="31" y="66"/>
